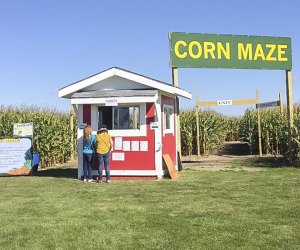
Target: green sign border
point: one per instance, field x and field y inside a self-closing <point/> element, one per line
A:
<point x="260" y="46"/>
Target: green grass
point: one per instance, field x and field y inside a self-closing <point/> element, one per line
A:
<point x="202" y="210"/>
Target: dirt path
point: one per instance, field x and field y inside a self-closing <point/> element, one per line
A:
<point x="231" y="162"/>
<point x="232" y="155"/>
<point x="213" y="162"/>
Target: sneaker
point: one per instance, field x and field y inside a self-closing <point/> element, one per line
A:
<point x="99" y="181"/>
<point x="108" y="181"/>
<point x="84" y="179"/>
<point x="90" y="180"/>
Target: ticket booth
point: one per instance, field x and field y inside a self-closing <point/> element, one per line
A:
<point x="140" y="114"/>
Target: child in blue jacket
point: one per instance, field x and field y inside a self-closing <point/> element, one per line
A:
<point x="88" y="152"/>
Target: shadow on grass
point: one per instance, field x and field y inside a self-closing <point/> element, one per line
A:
<point x="270" y="162"/>
<point x="263" y="162"/>
<point x="53" y="172"/>
<point x="234" y="148"/>
<point x="57" y="172"/>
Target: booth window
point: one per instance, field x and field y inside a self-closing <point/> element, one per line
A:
<point x="168" y="119"/>
<point x="120" y="117"/>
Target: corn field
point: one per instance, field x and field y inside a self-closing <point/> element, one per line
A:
<point x="274" y="132"/>
<point x="213" y="131"/>
<point x="216" y="128"/>
<point x="53" y="135"/>
<point x="52" y="132"/>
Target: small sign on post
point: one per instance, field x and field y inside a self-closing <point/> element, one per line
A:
<point x="154" y="125"/>
<point x="268" y="104"/>
<point x="23" y="129"/>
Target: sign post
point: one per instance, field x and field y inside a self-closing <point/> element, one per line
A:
<point x="281" y="104"/>
<point x="258" y="126"/>
<point x="198" y="130"/>
<point x="289" y="97"/>
<point x="195" y="50"/>
<point x="178" y="135"/>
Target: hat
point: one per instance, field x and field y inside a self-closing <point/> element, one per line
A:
<point x="102" y="128"/>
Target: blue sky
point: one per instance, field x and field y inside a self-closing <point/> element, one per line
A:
<point x="46" y="45"/>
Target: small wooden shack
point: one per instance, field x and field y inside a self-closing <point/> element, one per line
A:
<point x="140" y="114"/>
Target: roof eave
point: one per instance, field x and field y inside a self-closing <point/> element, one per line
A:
<point x="69" y="90"/>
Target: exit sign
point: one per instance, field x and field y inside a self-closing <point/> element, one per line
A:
<point x="224" y="102"/>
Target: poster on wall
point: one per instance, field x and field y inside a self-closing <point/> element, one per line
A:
<point x="135" y="146"/>
<point x="15" y="156"/>
<point x="144" y="145"/>
<point x="118" y="156"/>
<point x="118" y="143"/>
<point x="126" y="145"/>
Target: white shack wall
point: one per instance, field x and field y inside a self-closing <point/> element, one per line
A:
<point x="79" y="141"/>
<point x="115" y="82"/>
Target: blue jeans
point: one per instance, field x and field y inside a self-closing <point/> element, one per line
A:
<point x="104" y="158"/>
<point x="87" y="166"/>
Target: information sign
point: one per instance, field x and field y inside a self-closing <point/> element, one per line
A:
<point x="15" y="156"/>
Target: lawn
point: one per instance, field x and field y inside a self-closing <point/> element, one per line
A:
<point x="201" y="210"/>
